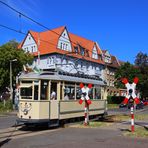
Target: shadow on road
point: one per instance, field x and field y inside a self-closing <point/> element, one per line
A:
<point x="4" y="142"/>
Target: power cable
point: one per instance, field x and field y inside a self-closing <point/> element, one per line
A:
<point x="38" y="23"/>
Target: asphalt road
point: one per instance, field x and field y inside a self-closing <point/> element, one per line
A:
<point x="70" y="137"/>
<point x="77" y="138"/>
<point x="7" y="121"/>
<point x="116" y="111"/>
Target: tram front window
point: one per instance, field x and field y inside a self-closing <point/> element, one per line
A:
<point x="26" y="92"/>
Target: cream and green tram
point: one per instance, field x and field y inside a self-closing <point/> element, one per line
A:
<point x="36" y="104"/>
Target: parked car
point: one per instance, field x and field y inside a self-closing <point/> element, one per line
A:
<point x="140" y="105"/>
<point x="145" y="102"/>
<point x="122" y="105"/>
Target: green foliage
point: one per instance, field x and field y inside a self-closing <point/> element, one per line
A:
<point x="9" y="52"/>
<point x="142" y="62"/>
<point x="7" y="107"/>
<point x="115" y="99"/>
<point x="129" y="71"/>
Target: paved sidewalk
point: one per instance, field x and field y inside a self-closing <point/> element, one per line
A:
<point x="12" y="113"/>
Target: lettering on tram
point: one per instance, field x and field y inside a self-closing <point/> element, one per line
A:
<point x="52" y="97"/>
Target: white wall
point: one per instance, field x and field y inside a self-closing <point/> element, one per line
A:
<point x="64" y="42"/>
<point x="29" y="44"/>
<point x="69" y="64"/>
<point x="94" y="53"/>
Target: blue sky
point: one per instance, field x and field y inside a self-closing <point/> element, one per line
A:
<point x="120" y="26"/>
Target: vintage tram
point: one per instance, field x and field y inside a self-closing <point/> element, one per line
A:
<point x="36" y="104"/>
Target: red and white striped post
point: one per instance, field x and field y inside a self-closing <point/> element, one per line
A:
<point x="86" y="99"/>
<point x="131" y="94"/>
<point x="86" y="121"/>
<point x="132" y="119"/>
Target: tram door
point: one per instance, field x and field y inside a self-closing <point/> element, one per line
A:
<point x="53" y="90"/>
<point x="54" y="103"/>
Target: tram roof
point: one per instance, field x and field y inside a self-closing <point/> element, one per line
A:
<point x="59" y="77"/>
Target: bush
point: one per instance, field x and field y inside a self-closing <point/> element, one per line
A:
<point x="7" y="107"/>
<point x="115" y="99"/>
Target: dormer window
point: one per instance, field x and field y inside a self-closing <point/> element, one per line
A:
<point x="66" y="47"/>
<point x="87" y="53"/>
<point x="82" y="51"/>
<point x="63" y="45"/>
<point x="94" y="53"/>
<point x="76" y="49"/>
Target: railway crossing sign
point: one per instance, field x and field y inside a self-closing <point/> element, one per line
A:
<point x="131" y="95"/>
<point x="85" y="97"/>
<point x="131" y="90"/>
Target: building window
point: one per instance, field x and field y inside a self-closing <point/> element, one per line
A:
<point x="87" y="53"/>
<point x="94" y="54"/>
<point x="61" y="45"/>
<point x="32" y="48"/>
<point x="48" y="60"/>
<point x="66" y="47"/>
<point x="87" y="66"/>
<point x="76" y="49"/>
<point x="82" y="50"/>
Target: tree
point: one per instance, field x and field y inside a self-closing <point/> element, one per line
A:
<point x="9" y="51"/>
<point x="141" y="61"/>
<point x="129" y="71"/>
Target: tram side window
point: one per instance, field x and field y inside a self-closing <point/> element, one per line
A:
<point x="26" y="92"/>
<point x="78" y="93"/>
<point x="97" y="93"/>
<point x="69" y="92"/>
<point x="44" y="90"/>
<point x="36" y="92"/>
<point x="90" y="93"/>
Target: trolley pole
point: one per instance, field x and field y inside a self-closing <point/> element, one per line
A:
<point x="132" y="119"/>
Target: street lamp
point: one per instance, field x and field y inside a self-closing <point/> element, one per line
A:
<point x="11" y="77"/>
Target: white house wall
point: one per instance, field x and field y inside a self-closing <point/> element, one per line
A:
<point x="68" y="64"/>
<point x="95" y="53"/>
<point x="29" y="44"/>
<point x="64" y="42"/>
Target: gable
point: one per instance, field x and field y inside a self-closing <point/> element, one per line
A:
<point x="107" y="54"/>
<point x="107" y="57"/>
<point x="64" y="41"/>
<point x="29" y="44"/>
<point x="94" y="53"/>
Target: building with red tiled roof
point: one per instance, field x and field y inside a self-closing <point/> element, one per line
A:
<point x="64" y="50"/>
<point x="111" y="65"/>
<point x="68" y="52"/>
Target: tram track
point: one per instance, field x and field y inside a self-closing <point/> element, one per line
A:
<point x="23" y="131"/>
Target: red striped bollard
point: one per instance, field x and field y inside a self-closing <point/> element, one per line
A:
<point x="86" y="121"/>
<point x="132" y="119"/>
<point x="85" y="97"/>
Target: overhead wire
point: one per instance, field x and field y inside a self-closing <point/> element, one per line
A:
<point x="38" y="23"/>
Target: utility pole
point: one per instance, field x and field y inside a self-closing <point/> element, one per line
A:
<point x="11" y="89"/>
